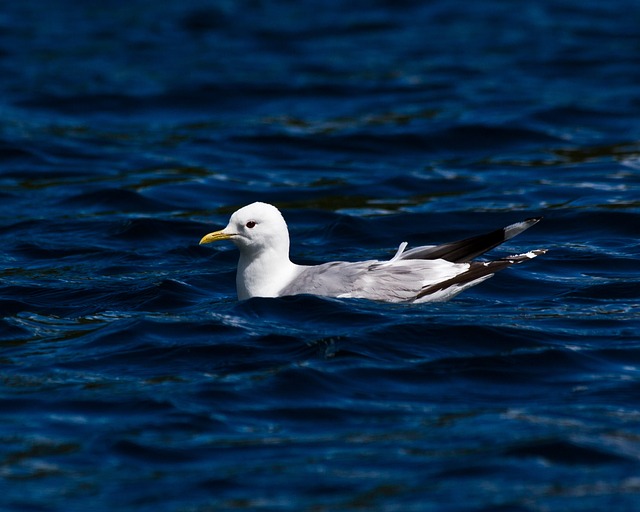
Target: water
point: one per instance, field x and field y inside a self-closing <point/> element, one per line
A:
<point x="133" y="380"/>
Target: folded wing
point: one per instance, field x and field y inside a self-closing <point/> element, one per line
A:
<point x="427" y="273"/>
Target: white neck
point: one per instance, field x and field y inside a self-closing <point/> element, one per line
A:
<point x="264" y="275"/>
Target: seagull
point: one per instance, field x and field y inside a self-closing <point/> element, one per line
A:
<point x="430" y="273"/>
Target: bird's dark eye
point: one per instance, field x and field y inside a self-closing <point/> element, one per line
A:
<point x="251" y="224"/>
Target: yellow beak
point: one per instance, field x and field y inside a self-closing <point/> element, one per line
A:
<point x="214" y="237"/>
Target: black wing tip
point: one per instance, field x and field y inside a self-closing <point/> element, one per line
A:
<point x="479" y="269"/>
<point x="515" y="229"/>
<point x="530" y="221"/>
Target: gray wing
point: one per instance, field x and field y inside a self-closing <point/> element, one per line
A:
<point x="422" y="274"/>
<point x="329" y="279"/>
<point x="394" y="281"/>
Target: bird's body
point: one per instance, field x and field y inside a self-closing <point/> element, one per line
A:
<point x="422" y="274"/>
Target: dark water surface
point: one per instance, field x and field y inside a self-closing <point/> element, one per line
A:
<point x="133" y="380"/>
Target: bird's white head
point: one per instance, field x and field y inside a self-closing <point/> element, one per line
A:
<point x="255" y="228"/>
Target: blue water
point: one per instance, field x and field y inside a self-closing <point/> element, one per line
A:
<point x="133" y="380"/>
